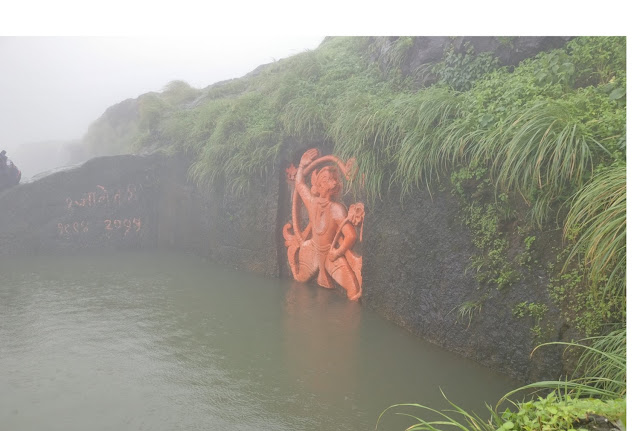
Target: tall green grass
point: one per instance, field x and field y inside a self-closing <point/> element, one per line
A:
<point x="540" y="153"/>
<point x="600" y="373"/>
<point x="597" y="219"/>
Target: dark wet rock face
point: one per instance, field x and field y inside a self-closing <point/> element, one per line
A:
<point x="245" y="230"/>
<point x="106" y="203"/>
<point x="595" y="422"/>
<point x="137" y="202"/>
<point x="431" y="49"/>
<point x="10" y="175"/>
<point x="416" y="273"/>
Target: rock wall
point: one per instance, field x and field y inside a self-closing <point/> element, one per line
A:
<point x="428" y="50"/>
<point x="416" y="273"/>
<point x="245" y="230"/>
<point x="107" y="203"/>
<point x="139" y="202"/>
<point x="415" y="252"/>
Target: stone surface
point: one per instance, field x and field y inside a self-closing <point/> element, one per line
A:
<point x="430" y="49"/>
<point x="245" y="230"/>
<point x="138" y="202"/>
<point x="105" y="203"/>
<point x="416" y="257"/>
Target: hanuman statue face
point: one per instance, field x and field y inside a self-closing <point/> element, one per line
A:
<point x="328" y="184"/>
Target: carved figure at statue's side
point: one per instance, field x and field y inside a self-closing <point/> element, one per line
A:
<point x="324" y="247"/>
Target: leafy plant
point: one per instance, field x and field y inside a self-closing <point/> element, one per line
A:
<point x="601" y="372"/>
<point x="560" y="413"/>
<point x="532" y="309"/>
<point x="467" y="310"/>
<point x="549" y="413"/>
<point x="460" y="70"/>
<point x="599" y="390"/>
<point x="598" y="219"/>
<point x="456" y="418"/>
<point x="599" y="60"/>
<point x="555" y="67"/>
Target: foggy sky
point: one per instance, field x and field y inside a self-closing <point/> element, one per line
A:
<point x="54" y="87"/>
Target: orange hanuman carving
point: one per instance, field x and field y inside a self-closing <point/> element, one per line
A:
<point x="324" y="247"/>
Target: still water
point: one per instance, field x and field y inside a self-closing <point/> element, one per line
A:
<point x="157" y="341"/>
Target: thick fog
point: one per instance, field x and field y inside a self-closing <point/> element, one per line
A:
<point x="53" y="88"/>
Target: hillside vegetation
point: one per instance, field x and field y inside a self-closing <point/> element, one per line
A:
<point x="549" y="134"/>
<point x="540" y="146"/>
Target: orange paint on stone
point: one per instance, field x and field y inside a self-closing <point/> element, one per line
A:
<point x="325" y="247"/>
<point x="127" y="224"/>
<point x="291" y="172"/>
<point x="105" y="198"/>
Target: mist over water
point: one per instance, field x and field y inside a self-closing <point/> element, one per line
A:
<point x="163" y="341"/>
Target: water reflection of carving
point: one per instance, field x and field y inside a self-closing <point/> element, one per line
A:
<point x="321" y="333"/>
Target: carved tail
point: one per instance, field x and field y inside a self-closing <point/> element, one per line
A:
<point x="293" y="245"/>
